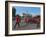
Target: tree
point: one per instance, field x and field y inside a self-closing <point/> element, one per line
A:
<point x="13" y="12"/>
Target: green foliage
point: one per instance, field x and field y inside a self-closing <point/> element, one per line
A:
<point x="13" y="12"/>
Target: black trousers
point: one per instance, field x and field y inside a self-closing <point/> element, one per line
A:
<point x="16" y="25"/>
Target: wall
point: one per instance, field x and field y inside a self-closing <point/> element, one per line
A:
<point x="2" y="19"/>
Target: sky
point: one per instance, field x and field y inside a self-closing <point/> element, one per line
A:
<point x="27" y="10"/>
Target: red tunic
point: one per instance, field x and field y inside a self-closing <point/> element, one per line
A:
<point x="17" y="19"/>
<point x="26" y="19"/>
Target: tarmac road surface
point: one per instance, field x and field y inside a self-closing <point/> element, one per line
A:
<point x="24" y="26"/>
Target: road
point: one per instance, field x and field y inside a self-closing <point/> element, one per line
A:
<point x="24" y="27"/>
